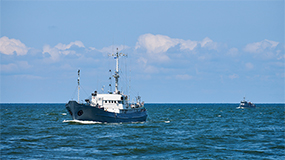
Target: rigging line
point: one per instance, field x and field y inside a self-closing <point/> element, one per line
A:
<point x="83" y="90"/>
<point x="74" y="92"/>
<point x="127" y="68"/>
<point x="113" y="44"/>
<point x="126" y="78"/>
<point x="109" y="67"/>
<point x="130" y="84"/>
<point x="124" y="62"/>
<point x="97" y="87"/>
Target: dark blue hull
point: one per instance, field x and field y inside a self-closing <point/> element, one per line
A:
<point x="86" y="112"/>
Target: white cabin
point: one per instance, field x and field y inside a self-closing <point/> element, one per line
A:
<point x="110" y="102"/>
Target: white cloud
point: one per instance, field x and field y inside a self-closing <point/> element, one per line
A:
<point x="11" y="46"/>
<point x="156" y="46"/>
<point x="205" y="41"/>
<point x="161" y="43"/>
<point x="92" y="48"/>
<point x="261" y="46"/>
<point x="188" y="44"/>
<point x="53" y="52"/>
<point x="61" y="49"/>
<point x="146" y="67"/>
<point x="156" y="43"/>
<point x="208" y="43"/>
<point x="61" y="46"/>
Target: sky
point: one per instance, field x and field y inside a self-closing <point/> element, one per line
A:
<point x="177" y="51"/>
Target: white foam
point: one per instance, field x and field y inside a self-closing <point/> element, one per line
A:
<point x="81" y="122"/>
<point x="137" y="122"/>
<point x="167" y="121"/>
<point x="64" y="114"/>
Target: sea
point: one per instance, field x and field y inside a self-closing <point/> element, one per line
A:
<point x="172" y="131"/>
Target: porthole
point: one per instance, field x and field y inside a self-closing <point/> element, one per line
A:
<point x="79" y="113"/>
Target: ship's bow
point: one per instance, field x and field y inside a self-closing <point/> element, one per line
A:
<point x="70" y="107"/>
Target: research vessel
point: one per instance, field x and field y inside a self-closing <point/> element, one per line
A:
<point x="112" y="107"/>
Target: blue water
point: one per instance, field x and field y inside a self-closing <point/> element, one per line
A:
<point x="172" y="131"/>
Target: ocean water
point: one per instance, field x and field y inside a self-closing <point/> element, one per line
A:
<point x="172" y="131"/>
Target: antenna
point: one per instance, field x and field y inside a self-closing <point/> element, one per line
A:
<point x="110" y="83"/>
<point x="116" y="75"/>
<point x="78" y="82"/>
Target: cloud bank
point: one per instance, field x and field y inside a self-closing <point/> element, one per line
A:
<point x="156" y="46"/>
<point x="61" y="49"/>
<point x="11" y="46"/>
<point x="156" y="43"/>
<point x="261" y="46"/>
<point x="160" y="43"/>
<point x="154" y="54"/>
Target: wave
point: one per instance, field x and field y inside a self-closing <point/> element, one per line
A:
<point x="81" y="122"/>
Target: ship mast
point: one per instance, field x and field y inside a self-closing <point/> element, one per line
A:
<point x="116" y="75"/>
<point x="78" y="83"/>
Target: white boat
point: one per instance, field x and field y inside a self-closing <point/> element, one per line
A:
<point x="245" y="104"/>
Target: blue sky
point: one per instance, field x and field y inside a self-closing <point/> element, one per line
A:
<point x="180" y="52"/>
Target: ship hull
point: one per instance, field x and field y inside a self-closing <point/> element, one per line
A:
<point x="247" y="106"/>
<point x="86" y="112"/>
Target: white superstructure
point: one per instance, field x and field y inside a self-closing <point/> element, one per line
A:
<point x="114" y="102"/>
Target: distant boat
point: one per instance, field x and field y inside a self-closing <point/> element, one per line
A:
<point x="111" y="108"/>
<point x="245" y="104"/>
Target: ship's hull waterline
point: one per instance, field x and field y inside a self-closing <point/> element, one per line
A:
<point x="86" y="112"/>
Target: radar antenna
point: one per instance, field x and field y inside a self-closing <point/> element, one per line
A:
<point x="116" y="75"/>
